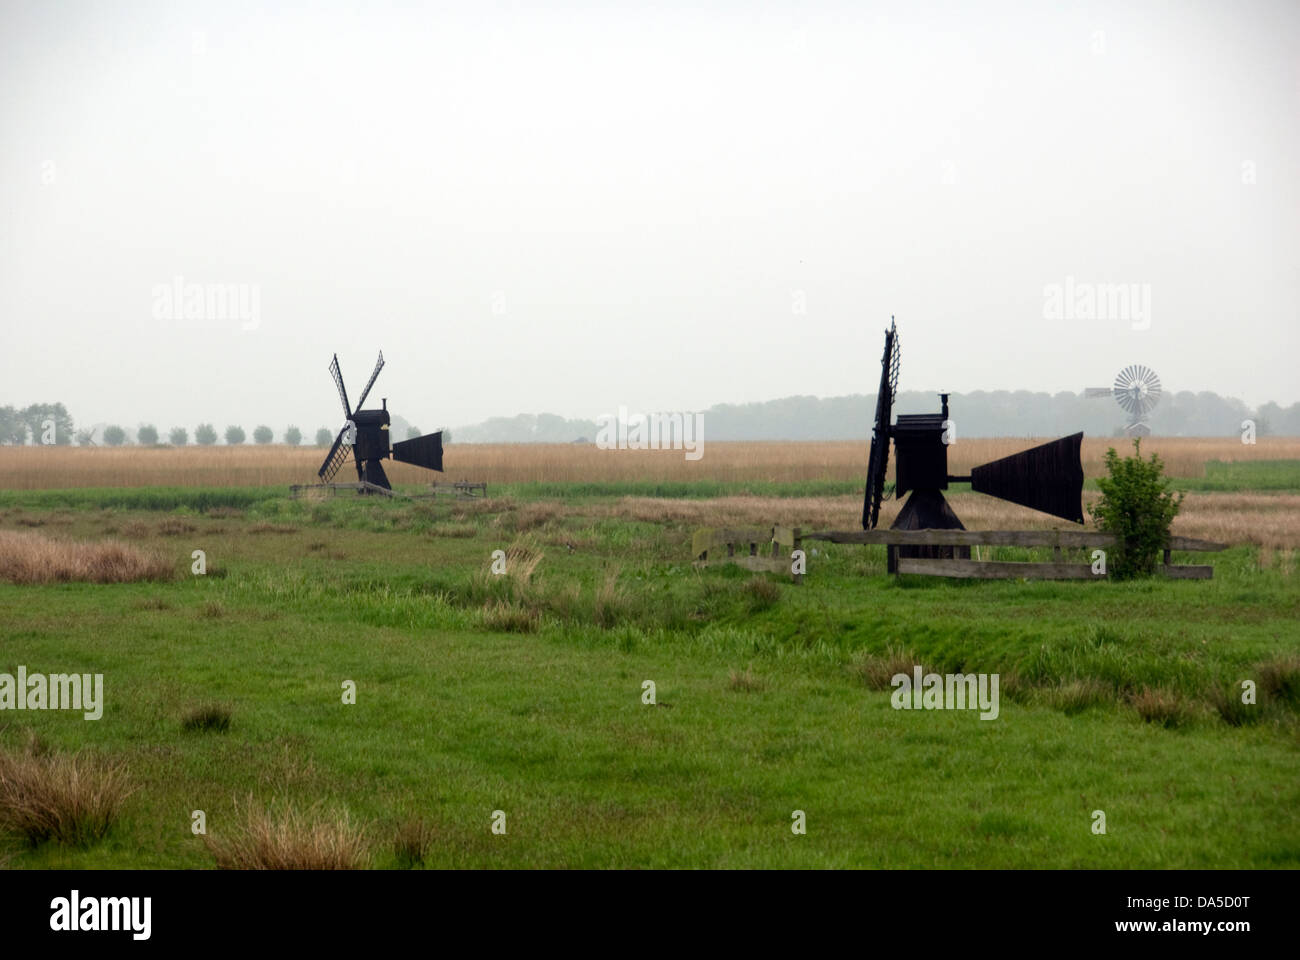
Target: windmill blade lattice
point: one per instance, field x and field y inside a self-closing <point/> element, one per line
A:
<point x="1137" y="390"/>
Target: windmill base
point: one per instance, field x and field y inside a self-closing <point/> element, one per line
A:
<point x="926" y="510"/>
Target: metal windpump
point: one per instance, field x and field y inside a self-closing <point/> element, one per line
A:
<point x="365" y="437"/>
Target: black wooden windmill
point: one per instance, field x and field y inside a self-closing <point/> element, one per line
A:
<point x="1047" y="478"/>
<point x="365" y="437"/>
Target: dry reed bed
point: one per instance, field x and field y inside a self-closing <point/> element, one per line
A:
<point x="24" y="468"/>
<point x="28" y="557"/>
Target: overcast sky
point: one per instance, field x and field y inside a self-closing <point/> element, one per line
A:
<point x="568" y="208"/>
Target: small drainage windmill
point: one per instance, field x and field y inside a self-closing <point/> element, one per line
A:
<point x="364" y="436"/>
<point x="1048" y="477"/>
<point x="1137" y="391"/>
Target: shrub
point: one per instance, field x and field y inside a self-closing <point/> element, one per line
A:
<point x="1138" y="507"/>
<point x="234" y="435"/>
<point x="69" y="799"/>
<point x="205" y="434"/>
<point x="178" y="437"/>
<point x="147" y="435"/>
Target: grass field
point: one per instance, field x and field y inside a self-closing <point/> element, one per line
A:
<point x="522" y="693"/>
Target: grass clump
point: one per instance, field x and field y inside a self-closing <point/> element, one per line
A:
<point x="1161" y="707"/>
<point x="30" y="558"/>
<point x="412" y="842"/>
<point x="207" y="717"/>
<point x="292" y="840"/>
<point x="70" y="799"/>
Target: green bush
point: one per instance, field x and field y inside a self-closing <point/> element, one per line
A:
<point x="1138" y="507"/>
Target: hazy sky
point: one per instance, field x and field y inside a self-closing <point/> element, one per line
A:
<point x="570" y="207"/>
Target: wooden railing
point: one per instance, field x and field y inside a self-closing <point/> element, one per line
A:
<point x="765" y="549"/>
<point x="1056" y="569"/>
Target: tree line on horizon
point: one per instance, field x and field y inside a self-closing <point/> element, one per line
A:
<point x="1018" y="413"/>
<point x="35" y="423"/>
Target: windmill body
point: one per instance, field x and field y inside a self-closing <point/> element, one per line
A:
<point x="365" y="438"/>
<point x="1048" y="477"/>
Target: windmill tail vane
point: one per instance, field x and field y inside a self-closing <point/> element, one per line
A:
<point x="364" y="437"/>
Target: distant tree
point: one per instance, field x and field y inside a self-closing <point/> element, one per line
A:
<point x="205" y="434"/>
<point x="148" y="435"/>
<point x="293" y="436"/>
<point x="40" y="417"/>
<point x="323" y="437"/>
<point x="234" y="435"/>
<point x="85" y="438"/>
<point x="178" y="437"/>
<point x="114" y="436"/>
<point x="263" y="434"/>
<point x="446" y="436"/>
<point x="412" y="433"/>
<point x="12" y="429"/>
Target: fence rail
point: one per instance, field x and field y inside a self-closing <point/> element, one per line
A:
<point x="762" y="549"/>
<point x="770" y="548"/>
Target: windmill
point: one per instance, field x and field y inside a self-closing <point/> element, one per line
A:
<point x="365" y="436"/>
<point x="1047" y="477"/>
<point x="1137" y="391"/>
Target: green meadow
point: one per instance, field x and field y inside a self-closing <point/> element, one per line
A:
<point x="524" y="693"/>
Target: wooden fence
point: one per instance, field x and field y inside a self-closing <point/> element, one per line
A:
<point x="766" y="549"/>
<point x="770" y="549"/>
<point x="1056" y="569"/>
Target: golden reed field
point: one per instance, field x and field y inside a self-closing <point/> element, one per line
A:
<point x="1269" y="520"/>
<point x="26" y="468"/>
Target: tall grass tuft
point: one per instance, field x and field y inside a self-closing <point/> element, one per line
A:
<point x="879" y="670"/>
<point x="29" y="558"/>
<point x="207" y="717"/>
<point x="292" y="840"/>
<point x="412" y="841"/>
<point x="69" y="799"/>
